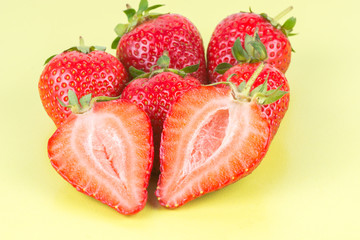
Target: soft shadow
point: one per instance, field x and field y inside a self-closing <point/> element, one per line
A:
<point x="152" y="199"/>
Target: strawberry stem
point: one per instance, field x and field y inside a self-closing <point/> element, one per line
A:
<point x="81" y="48"/>
<point x="283" y="13"/>
<point x="252" y="79"/>
<point x="260" y="93"/>
<point x="86" y="102"/>
<point x="135" y="18"/>
<point x="81" y="41"/>
<point x="163" y="63"/>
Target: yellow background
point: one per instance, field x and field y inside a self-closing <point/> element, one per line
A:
<point x="307" y="187"/>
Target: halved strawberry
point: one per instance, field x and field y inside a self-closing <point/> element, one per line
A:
<point x="106" y="153"/>
<point x="212" y="137"/>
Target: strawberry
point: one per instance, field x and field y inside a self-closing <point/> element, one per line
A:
<point x="147" y="35"/>
<point x="212" y="137"/>
<point x="155" y="92"/>
<point x="238" y="25"/>
<point x="249" y="61"/>
<point x="105" y="150"/>
<point x="275" y="111"/>
<point x="84" y="70"/>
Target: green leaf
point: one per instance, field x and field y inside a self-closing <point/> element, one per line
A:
<point x="85" y="100"/>
<point x="238" y="51"/>
<point x="71" y="49"/>
<point x="153" y="7"/>
<point x="164" y="60"/>
<point x="260" y="52"/>
<point x="264" y="15"/>
<point x="143" y="5"/>
<point x="115" y="43"/>
<point x="61" y="102"/>
<point x="229" y="77"/>
<point x="100" y="48"/>
<point x="262" y="88"/>
<point x="191" y="69"/>
<point x="120" y="29"/>
<point x="153" y="15"/>
<point x="256" y="36"/>
<point x="289" y="24"/>
<point x="135" y="72"/>
<point x="130" y="12"/>
<point x="242" y="86"/>
<point x="274" y="97"/>
<point x="223" y="67"/>
<point x="49" y="59"/>
<point x="83" y="49"/>
<point x="268" y="97"/>
<point x="292" y="34"/>
<point x="255" y="90"/>
<point x="73" y="100"/>
<point x="180" y="73"/>
<point x="248" y="47"/>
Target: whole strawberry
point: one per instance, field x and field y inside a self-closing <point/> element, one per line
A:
<point x="147" y="35"/>
<point x="84" y="70"/>
<point x="155" y="92"/>
<point x="273" y="35"/>
<point x="251" y="67"/>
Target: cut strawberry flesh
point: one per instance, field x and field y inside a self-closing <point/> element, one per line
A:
<point x="107" y="154"/>
<point x="216" y="141"/>
<point x="207" y="140"/>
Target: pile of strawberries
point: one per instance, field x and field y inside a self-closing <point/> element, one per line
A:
<point x="160" y="107"/>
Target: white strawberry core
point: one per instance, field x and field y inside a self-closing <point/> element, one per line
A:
<point x="212" y="141"/>
<point x="206" y="140"/>
<point x="106" y="149"/>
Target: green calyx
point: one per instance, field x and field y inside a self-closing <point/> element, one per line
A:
<point x="259" y="94"/>
<point x="287" y="27"/>
<point x="81" y="48"/>
<point x="254" y="51"/>
<point x="134" y="19"/>
<point x="85" y="103"/>
<point x="162" y="65"/>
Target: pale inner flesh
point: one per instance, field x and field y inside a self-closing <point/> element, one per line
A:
<point x="207" y="140"/>
<point x="212" y="142"/>
<point x="102" y="144"/>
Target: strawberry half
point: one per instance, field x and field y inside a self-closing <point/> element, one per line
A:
<point x="212" y="137"/>
<point x="105" y="152"/>
<point x="142" y="40"/>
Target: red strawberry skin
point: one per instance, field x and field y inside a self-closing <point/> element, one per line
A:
<point x="238" y="25"/>
<point x="209" y="141"/>
<point x="274" y="112"/>
<point x="97" y="72"/>
<point x="174" y="33"/>
<point x="156" y="95"/>
<point x="106" y="153"/>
